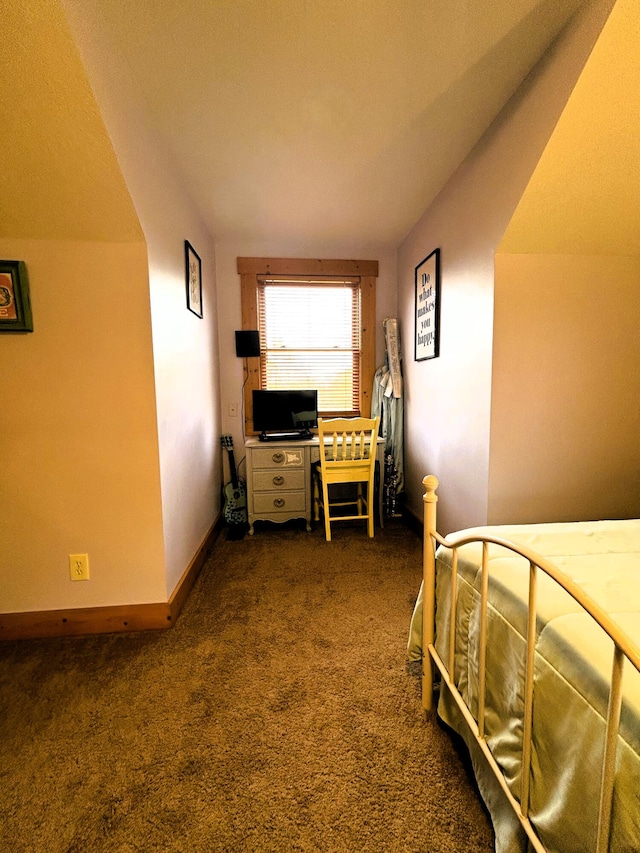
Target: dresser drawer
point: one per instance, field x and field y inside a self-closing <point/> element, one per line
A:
<point x="272" y="457"/>
<point x="279" y="502"/>
<point x="286" y="480"/>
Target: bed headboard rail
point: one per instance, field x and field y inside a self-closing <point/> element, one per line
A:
<point x="624" y="649"/>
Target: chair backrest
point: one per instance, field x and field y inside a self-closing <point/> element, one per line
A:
<point x="348" y="446"/>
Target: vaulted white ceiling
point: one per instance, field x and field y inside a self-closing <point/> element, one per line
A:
<point x="316" y="122"/>
<point x="325" y="120"/>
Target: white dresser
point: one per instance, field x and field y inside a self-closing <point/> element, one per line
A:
<point x="279" y="479"/>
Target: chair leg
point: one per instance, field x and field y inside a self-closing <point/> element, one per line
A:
<point x="325" y="507"/>
<point x="370" y="511"/>
<point x="316" y="498"/>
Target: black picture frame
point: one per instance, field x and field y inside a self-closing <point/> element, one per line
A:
<point x="15" y="302"/>
<point x="193" y="272"/>
<point x="427" y="307"/>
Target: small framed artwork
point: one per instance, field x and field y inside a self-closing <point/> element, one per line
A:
<point x="428" y="307"/>
<point x="15" y="304"/>
<point x="193" y="266"/>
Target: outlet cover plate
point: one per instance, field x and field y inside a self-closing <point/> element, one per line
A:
<point x="79" y="567"/>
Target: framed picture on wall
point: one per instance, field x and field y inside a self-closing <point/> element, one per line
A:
<point x="427" y="307"/>
<point x="15" y="304"/>
<point x="193" y="266"/>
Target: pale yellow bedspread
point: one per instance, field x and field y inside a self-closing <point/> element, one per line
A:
<point x="572" y="674"/>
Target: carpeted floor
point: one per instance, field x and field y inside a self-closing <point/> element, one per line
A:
<point x="277" y="715"/>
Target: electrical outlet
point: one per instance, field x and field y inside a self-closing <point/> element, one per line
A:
<point x="233" y="410"/>
<point x="79" y="567"/>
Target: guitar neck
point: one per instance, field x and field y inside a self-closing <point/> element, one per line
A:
<point x="232" y="468"/>
<point x="227" y="443"/>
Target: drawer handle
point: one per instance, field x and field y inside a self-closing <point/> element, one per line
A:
<point x="278" y="481"/>
<point x="278" y="503"/>
<point x="278" y="458"/>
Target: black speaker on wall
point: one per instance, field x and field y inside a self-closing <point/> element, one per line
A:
<point x="247" y="344"/>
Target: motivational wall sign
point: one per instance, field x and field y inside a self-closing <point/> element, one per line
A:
<point x="428" y="307"/>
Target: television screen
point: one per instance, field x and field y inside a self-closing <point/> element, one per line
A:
<point x="285" y="411"/>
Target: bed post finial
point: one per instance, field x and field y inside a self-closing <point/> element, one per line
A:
<point x="430" y="499"/>
<point x="430" y="484"/>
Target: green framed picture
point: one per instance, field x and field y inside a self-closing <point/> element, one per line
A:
<point x="15" y="305"/>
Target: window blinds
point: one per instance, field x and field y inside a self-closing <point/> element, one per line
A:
<point x="310" y="338"/>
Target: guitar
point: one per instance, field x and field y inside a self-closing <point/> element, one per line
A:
<point x="235" y="492"/>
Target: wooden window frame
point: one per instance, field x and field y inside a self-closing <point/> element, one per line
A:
<point x="252" y="269"/>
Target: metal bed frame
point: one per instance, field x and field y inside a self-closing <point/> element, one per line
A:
<point x="624" y="649"/>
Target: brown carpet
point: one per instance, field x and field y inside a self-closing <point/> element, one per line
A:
<point x="277" y="715"/>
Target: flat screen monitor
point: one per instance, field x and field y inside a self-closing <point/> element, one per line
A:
<point x="285" y="414"/>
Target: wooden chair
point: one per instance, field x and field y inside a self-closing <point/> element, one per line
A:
<point x="347" y="455"/>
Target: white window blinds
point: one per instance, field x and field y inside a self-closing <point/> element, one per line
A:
<point x="310" y="338"/>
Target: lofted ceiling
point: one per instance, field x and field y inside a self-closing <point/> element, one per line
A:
<point x="316" y="122"/>
<point x="56" y="158"/>
<point x="324" y="121"/>
<point x="584" y="195"/>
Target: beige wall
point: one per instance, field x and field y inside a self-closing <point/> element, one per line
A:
<point x="114" y="406"/>
<point x="565" y="419"/>
<point x="564" y="422"/>
<point x="80" y="470"/>
<point x="185" y="348"/>
<point x="110" y="413"/>
<point x="447" y="428"/>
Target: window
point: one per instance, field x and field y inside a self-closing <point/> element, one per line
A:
<point x="310" y="336"/>
<point x="316" y="321"/>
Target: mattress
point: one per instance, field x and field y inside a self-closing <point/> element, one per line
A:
<point x="572" y="675"/>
